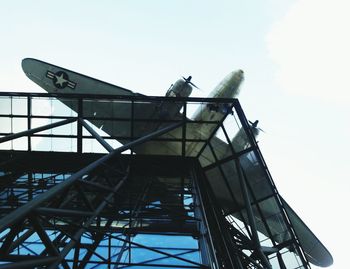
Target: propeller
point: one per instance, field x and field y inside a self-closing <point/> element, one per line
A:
<point x="188" y="81"/>
<point x="254" y="125"/>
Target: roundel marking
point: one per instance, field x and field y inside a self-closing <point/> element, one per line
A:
<point x="60" y="80"/>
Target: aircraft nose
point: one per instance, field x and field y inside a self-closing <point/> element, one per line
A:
<point x="239" y="73"/>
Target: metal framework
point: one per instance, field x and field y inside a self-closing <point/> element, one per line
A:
<point x="75" y="209"/>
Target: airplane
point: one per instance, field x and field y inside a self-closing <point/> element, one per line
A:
<point x="55" y="79"/>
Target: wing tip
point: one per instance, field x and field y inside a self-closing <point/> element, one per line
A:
<point x="318" y="254"/>
<point x="26" y="62"/>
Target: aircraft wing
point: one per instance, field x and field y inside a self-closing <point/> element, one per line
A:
<point x="268" y="214"/>
<point x="317" y="253"/>
<point x="54" y="79"/>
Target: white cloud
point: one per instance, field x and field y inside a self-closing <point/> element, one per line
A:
<point x="311" y="46"/>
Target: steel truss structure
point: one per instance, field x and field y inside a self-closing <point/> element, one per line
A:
<point x="75" y="209"/>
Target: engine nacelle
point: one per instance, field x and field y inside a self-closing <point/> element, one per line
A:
<point x="240" y="140"/>
<point x="181" y="88"/>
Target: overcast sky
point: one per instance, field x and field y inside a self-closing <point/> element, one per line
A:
<point x="295" y="55"/>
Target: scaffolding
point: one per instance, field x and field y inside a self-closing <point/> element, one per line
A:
<point x="165" y="196"/>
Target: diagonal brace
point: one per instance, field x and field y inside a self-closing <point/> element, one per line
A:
<point x="35" y="130"/>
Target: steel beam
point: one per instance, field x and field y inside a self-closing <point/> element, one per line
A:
<point x="35" y="130"/>
<point x="96" y="135"/>
<point x="251" y="218"/>
<point x="62" y="212"/>
<point x="29" y="263"/>
<point x="24" y="210"/>
<point x="79" y="126"/>
<point x="29" y="121"/>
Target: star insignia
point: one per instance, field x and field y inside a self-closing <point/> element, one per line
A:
<point x="60" y="80"/>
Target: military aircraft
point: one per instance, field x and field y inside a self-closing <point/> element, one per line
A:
<point x="56" y="79"/>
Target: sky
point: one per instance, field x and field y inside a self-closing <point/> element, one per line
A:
<point x="295" y="55"/>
